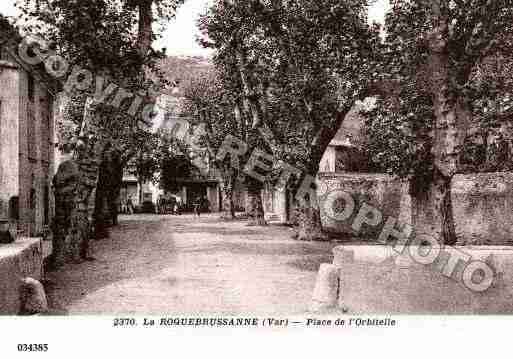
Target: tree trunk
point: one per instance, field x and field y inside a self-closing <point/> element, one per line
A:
<point x="110" y="180"/>
<point x="433" y="211"/>
<point x="256" y="210"/>
<point x="89" y="167"/>
<point x="308" y="221"/>
<point x="228" y="205"/>
<point x="74" y="186"/>
<point x="141" y="192"/>
<point x="74" y="189"/>
<point x="65" y="183"/>
<point x="114" y="198"/>
<point x="115" y="184"/>
<point x="100" y="207"/>
<point x="145" y="31"/>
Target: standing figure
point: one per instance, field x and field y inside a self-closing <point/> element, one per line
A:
<point x="160" y="205"/>
<point x="130" y="205"/>
<point x="178" y="206"/>
<point x="197" y="206"/>
<point x="123" y="206"/>
<point x="206" y="204"/>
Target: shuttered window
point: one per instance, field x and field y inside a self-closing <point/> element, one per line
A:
<point x="46" y="140"/>
<point x="31" y="130"/>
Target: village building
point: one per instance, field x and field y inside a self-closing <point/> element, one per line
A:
<point x="136" y="192"/>
<point x="343" y="155"/>
<point x="27" y="165"/>
<point x="199" y="180"/>
<point x="27" y="151"/>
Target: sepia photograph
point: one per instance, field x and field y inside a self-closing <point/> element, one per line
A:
<point x="308" y="166"/>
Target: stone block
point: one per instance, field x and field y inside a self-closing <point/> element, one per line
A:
<point x="33" y="297"/>
<point x="18" y="260"/>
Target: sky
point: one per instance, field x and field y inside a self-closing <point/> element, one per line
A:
<point x="180" y="35"/>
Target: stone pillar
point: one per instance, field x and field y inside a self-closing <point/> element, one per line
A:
<point x="405" y="213"/>
<point x="246" y="201"/>
<point x="280" y="205"/>
<point x="219" y="196"/>
<point x="10" y="113"/>
<point x="213" y="198"/>
<point x="209" y="197"/>
<point x="138" y="198"/>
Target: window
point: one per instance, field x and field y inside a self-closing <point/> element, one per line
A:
<point x="31" y="86"/>
<point x="33" y="198"/>
<point x="46" y="205"/>
<point x="31" y="131"/>
<point x="3" y="54"/>
<point x="14" y="208"/>
<point x="46" y="131"/>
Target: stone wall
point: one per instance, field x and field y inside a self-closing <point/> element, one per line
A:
<point x="380" y="191"/>
<point x="483" y="208"/>
<point x="482" y="203"/>
<point x="18" y="260"/>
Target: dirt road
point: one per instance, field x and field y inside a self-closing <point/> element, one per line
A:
<point x="184" y="265"/>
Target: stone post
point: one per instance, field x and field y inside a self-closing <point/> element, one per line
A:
<point x="326" y="290"/>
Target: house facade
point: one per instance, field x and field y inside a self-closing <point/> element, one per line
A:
<point x="27" y="151"/>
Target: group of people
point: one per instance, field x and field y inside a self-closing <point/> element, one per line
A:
<point x="127" y="206"/>
<point x="169" y="206"/>
<point x="200" y="204"/>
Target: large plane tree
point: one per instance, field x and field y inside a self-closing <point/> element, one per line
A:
<point x="299" y="66"/>
<point x="435" y="58"/>
<point x="112" y="40"/>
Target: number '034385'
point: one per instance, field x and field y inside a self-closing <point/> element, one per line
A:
<point x="32" y="347"/>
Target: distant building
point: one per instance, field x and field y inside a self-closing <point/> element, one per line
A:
<point x="203" y="181"/>
<point x="27" y="151"/>
<point x="137" y="192"/>
<point x="344" y="153"/>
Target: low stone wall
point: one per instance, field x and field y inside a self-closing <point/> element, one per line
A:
<point x="482" y="203"/>
<point x="18" y="260"/>
<point x="373" y="279"/>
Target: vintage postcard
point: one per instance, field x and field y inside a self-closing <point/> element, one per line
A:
<point x="330" y="169"/>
